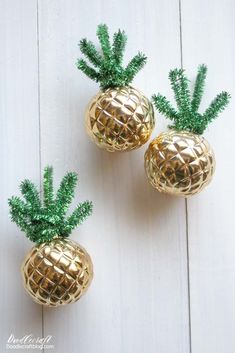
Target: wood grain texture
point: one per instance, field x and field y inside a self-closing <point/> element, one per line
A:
<point x="19" y="157"/>
<point x="136" y="236"/>
<point x="208" y="37"/>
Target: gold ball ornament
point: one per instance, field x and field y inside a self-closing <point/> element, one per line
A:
<point x="120" y="119"/>
<point x="57" y="272"/>
<point x="179" y="163"/>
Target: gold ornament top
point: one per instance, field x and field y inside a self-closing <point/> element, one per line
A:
<point x="179" y="163"/>
<point x="120" y="119"/>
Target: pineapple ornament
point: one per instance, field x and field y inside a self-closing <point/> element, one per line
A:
<point x="57" y="270"/>
<point x="119" y="117"/>
<point x="180" y="161"/>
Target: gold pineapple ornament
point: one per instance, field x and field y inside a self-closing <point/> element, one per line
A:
<point x="57" y="270"/>
<point x="180" y="161"/>
<point x="119" y="117"/>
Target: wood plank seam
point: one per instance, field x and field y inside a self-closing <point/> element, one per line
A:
<point x="186" y="202"/>
<point x="39" y="130"/>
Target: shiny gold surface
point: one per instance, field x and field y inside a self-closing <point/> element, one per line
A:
<point x="179" y="163"/>
<point x="57" y="273"/>
<point x="120" y="119"/>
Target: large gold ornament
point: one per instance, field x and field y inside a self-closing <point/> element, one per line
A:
<point x="57" y="273"/>
<point x="57" y="270"/>
<point x="179" y="163"/>
<point x="120" y="119"/>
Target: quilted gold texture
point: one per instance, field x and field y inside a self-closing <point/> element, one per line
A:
<point x="179" y="163"/>
<point x="120" y="119"/>
<point x="57" y="273"/>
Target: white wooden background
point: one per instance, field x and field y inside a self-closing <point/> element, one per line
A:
<point x="164" y="268"/>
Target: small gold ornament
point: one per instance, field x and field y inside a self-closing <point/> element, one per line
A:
<point x="57" y="270"/>
<point x="119" y="117"/>
<point x="180" y="162"/>
<point x="57" y="273"/>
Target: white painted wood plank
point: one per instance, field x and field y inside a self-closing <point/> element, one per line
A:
<point x="209" y="36"/>
<point x="138" y="300"/>
<point x="19" y="158"/>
